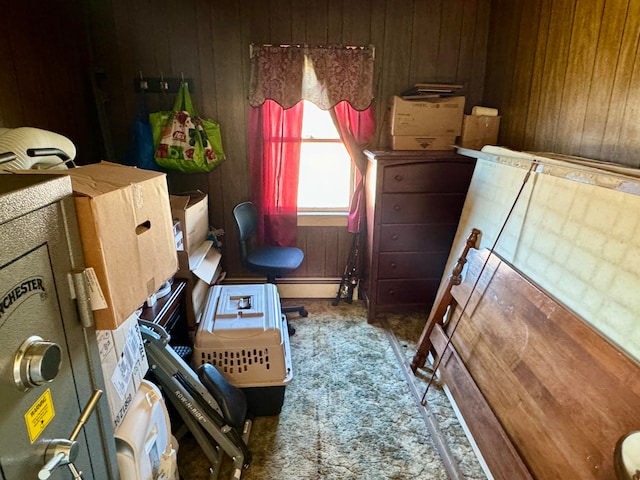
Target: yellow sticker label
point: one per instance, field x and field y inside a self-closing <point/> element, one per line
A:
<point x="39" y="415"/>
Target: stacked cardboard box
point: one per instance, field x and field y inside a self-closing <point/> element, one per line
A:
<point x="126" y="233"/>
<point x="199" y="261"/>
<point x="124" y="364"/>
<point x="125" y="225"/>
<point x="428" y="124"/>
<point x="480" y="128"/>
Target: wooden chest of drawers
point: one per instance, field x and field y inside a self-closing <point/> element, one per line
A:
<point x="414" y="201"/>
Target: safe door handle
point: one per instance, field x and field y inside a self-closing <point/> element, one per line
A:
<point x="64" y="451"/>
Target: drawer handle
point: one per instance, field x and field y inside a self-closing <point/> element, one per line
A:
<point x="394" y="237"/>
<point x="392" y="292"/>
<point x="396" y="207"/>
<point x="398" y="178"/>
<point x="393" y="265"/>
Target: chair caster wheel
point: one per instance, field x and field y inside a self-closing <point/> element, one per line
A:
<point x="304" y="313"/>
<point x="291" y="330"/>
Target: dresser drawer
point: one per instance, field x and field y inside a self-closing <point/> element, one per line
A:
<point x="417" y="238"/>
<point x="411" y="264"/>
<point x="407" y="291"/>
<point x="421" y="207"/>
<point x="434" y="177"/>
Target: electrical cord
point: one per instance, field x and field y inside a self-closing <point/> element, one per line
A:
<point x="533" y="165"/>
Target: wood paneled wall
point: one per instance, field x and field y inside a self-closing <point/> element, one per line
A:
<point x="562" y="72"/>
<point x="208" y="41"/>
<point x="44" y="71"/>
<point x="438" y="40"/>
<point x="564" y="75"/>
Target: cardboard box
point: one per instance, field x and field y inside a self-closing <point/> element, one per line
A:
<point x="124" y="365"/>
<point x="479" y="130"/>
<point x="438" y="117"/>
<point x="127" y="235"/>
<point x="192" y="211"/>
<point x="408" y="142"/>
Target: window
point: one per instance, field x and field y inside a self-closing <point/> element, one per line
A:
<point x="326" y="178"/>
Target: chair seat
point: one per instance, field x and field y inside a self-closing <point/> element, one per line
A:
<point x="275" y="259"/>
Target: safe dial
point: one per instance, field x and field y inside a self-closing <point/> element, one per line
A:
<point x="36" y="362"/>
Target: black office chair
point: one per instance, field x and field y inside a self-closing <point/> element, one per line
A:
<point x="268" y="260"/>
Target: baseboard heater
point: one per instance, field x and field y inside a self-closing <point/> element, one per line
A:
<point x="301" y="287"/>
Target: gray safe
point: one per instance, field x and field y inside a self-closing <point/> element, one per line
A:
<point x="54" y="422"/>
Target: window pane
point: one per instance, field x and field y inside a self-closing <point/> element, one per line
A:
<point x="325" y="176"/>
<point x="317" y="123"/>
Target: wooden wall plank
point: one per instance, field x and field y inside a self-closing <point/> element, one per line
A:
<point x="317" y="22"/>
<point x="281" y="21"/>
<point x="467" y="39"/>
<point x="425" y="42"/>
<point x="11" y="113"/>
<point x="377" y="34"/>
<point x="232" y="113"/>
<point x="554" y="72"/>
<point x="516" y="115"/>
<point x="475" y="88"/>
<point x="450" y="38"/>
<point x="394" y="75"/>
<point x="587" y="20"/>
<point x="622" y="83"/>
<point x="335" y="22"/>
<point x="356" y="21"/>
<point x="508" y="42"/>
<point x="533" y="108"/>
<point x="598" y="105"/>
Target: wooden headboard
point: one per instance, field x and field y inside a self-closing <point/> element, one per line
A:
<point x="544" y="395"/>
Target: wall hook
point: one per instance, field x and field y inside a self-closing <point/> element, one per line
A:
<point x="164" y="86"/>
<point x="143" y="83"/>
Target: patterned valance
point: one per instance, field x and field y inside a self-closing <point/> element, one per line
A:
<point x="322" y="75"/>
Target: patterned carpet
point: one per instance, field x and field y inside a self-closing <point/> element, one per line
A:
<point x="351" y="411"/>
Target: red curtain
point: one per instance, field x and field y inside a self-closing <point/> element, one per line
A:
<point x="274" y="160"/>
<point x="356" y="129"/>
<point x="339" y="79"/>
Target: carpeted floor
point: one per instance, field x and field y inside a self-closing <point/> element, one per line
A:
<point x="351" y="410"/>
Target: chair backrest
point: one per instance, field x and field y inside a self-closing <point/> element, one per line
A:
<point x="246" y="216"/>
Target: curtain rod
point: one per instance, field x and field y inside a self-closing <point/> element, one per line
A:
<point x="304" y="45"/>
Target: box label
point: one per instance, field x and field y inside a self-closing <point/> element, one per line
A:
<point x="124" y="369"/>
<point x="96" y="297"/>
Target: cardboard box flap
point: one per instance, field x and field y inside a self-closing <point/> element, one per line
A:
<point x="196" y="257"/>
<point x="100" y="178"/>
<point x="208" y="269"/>
<point x="179" y="202"/>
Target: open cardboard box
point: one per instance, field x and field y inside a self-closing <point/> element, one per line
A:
<point x="192" y="211"/>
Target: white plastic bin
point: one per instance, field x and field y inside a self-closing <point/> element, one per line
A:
<point x="146" y="450"/>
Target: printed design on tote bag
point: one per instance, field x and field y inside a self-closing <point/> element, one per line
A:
<point x="184" y="139"/>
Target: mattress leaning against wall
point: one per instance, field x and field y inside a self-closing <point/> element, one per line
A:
<point x="574" y="232"/>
